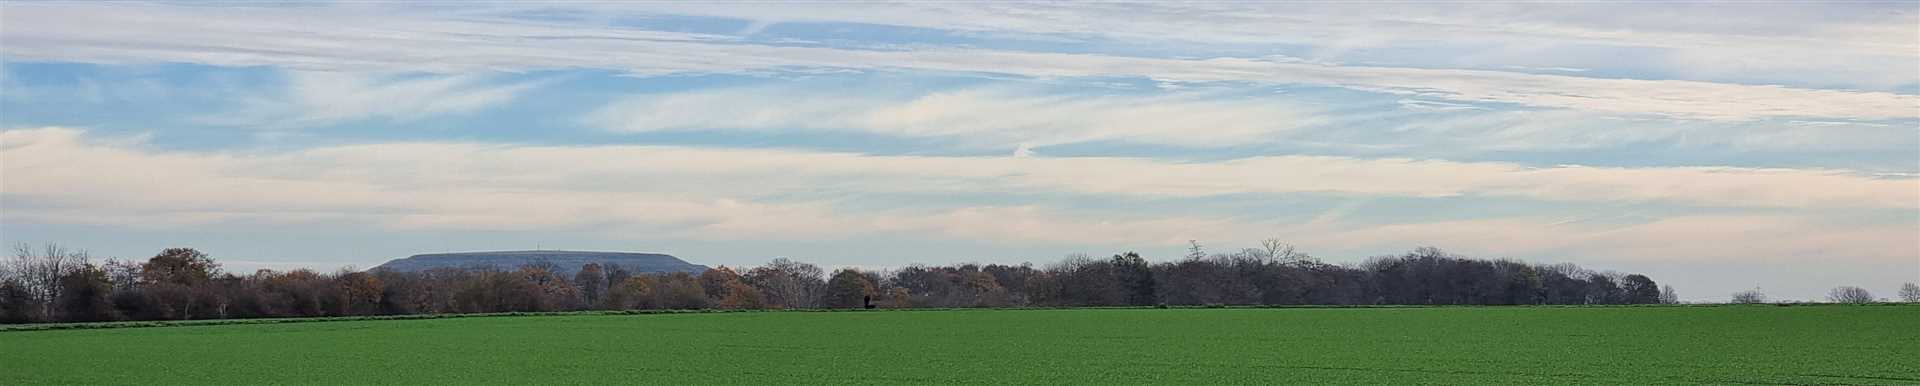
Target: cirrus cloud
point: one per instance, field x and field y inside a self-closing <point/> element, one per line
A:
<point x="400" y="41"/>
<point x="437" y="182"/>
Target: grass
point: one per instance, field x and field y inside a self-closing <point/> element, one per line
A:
<point x="1448" y="345"/>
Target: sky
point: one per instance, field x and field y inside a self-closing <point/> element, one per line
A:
<point x="1716" y="147"/>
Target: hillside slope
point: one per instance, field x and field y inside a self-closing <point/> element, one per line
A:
<point x="567" y="261"/>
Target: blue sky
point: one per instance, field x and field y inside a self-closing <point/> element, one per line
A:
<point x="1716" y="147"/>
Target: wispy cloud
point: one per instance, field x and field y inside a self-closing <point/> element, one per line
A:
<point x="1006" y="117"/>
<point x="437" y="44"/>
<point x="312" y="98"/>
<point x="1876" y="42"/>
<point x="616" y="190"/>
<point x="63" y="164"/>
<point x="987" y="116"/>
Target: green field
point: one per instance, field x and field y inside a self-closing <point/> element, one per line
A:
<point x="1608" y="345"/>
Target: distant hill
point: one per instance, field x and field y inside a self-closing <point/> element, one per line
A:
<point x="568" y="261"/>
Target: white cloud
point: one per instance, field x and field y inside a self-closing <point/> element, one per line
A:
<point x="1679" y="26"/>
<point x="784" y="171"/>
<point x="987" y="116"/>
<point x="1863" y="46"/>
<point x="390" y="40"/>
<point x="442" y="187"/>
<point x="449" y="184"/>
<point x="317" y="98"/>
<point x="1007" y="117"/>
<point x="695" y="193"/>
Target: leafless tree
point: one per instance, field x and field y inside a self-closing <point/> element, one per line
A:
<point x="789" y="283"/>
<point x="1195" y="251"/>
<point x="1910" y="293"/>
<point x="1283" y="253"/>
<point x="40" y="272"/>
<point x="1850" y="295"/>
<point x="122" y="273"/>
<point x="1752" y="296"/>
<point x="1667" y="296"/>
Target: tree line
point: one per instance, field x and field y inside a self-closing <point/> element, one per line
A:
<point x="55" y="284"/>
<point x="1909" y="293"/>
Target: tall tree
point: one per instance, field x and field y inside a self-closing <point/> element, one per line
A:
<point x="987" y="292"/>
<point x="361" y="292"/>
<point x="1604" y="289"/>
<point x="1640" y="289"/>
<point x="931" y="286"/>
<point x="1282" y="253"/>
<point x="616" y="274"/>
<point x="592" y="281"/>
<point x="38" y="272"/>
<point x="717" y="282"/>
<point x="84" y="295"/>
<point x="637" y="292"/>
<point x="550" y="290"/>
<point x="123" y="273"/>
<point x="16" y="303"/>
<point x="405" y="293"/>
<point x="724" y="289"/>
<point x="848" y="288"/>
<point x="1910" y="293"/>
<point x="739" y="295"/>
<point x="896" y="297"/>
<point x="1081" y="280"/>
<point x="1135" y="277"/>
<point x="787" y="283"/>
<point x="184" y="266"/>
<point x="680" y="290"/>
<point x="176" y="278"/>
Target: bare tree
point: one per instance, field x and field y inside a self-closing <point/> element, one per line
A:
<point x="1667" y="296"/>
<point x="1850" y="295"/>
<point x="1195" y="251"/>
<point x="40" y="272"/>
<point x="787" y="283"/>
<point x="1752" y="296"/>
<point x="1283" y="253"/>
<point x="122" y="273"/>
<point x="1910" y="293"/>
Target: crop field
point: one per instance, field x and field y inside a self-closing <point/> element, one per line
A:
<point x="1547" y="345"/>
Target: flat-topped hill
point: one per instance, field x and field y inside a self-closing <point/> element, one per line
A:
<point x="567" y="261"/>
